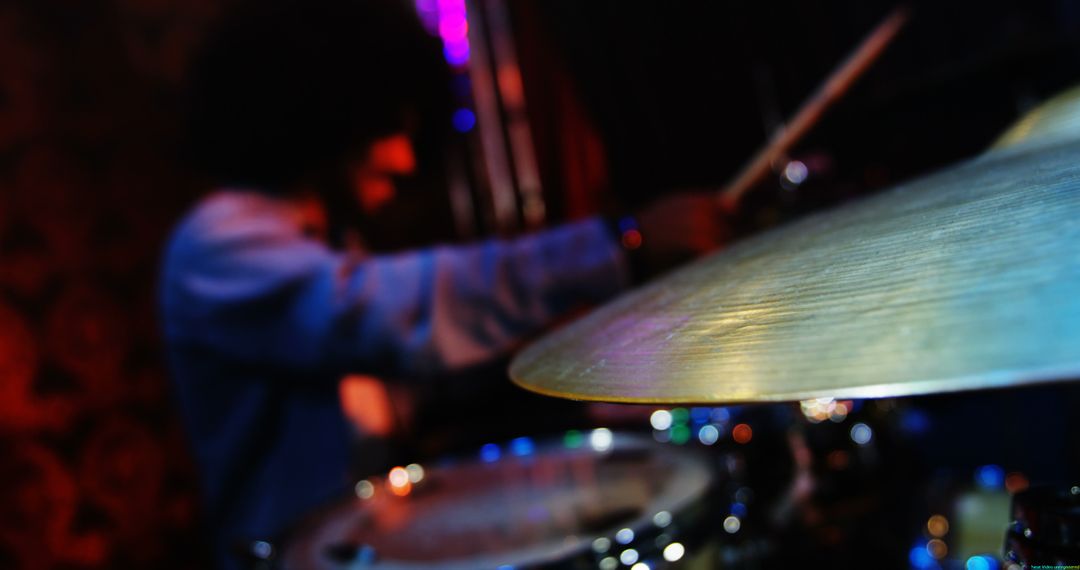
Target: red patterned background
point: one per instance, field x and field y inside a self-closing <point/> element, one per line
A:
<point x="95" y="471"/>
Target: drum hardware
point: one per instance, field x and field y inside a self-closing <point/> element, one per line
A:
<point x="1045" y="527"/>
<point x="962" y="524"/>
<point x="960" y="280"/>
<point x="811" y="111"/>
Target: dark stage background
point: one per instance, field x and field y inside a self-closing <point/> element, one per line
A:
<point x="94" y="466"/>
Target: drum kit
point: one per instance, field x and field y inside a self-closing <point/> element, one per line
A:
<point x="967" y="279"/>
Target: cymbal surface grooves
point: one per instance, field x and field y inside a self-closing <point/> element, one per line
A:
<point x="968" y="278"/>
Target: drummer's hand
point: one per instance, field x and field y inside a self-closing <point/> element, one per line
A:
<point x="679" y="227"/>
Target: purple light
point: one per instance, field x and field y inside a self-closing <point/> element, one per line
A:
<point x="457" y="53"/>
<point x="453" y="28"/>
<point x="452" y="6"/>
<point x="428" y="11"/>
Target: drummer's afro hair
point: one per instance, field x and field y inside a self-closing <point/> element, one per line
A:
<point x="284" y="89"/>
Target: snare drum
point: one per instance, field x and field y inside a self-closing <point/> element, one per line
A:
<point x="602" y="500"/>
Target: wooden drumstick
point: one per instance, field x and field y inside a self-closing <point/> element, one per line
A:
<point x="811" y="111"/>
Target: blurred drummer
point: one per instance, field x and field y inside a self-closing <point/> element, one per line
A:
<point x="302" y="111"/>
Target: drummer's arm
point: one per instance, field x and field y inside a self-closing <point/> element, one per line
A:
<point x="261" y="292"/>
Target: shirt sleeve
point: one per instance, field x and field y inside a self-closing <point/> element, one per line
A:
<point x="244" y="282"/>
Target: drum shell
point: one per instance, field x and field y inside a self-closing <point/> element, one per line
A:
<point x="693" y="516"/>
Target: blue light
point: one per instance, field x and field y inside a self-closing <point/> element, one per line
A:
<point x="462" y="85"/>
<point x="366" y="555"/>
<point x="490" y="453"/>
<point x="522" y="446"/>
<point x="721" y="415"/>
<point x="464" y="120"/>
<point x="920" y="558"/>
<point x="982" y="563"/>
<point x="990" y="477"/>
<point x="700" y="415"/>
<point x="738" y="509"/>
<point x="914" y="422"/>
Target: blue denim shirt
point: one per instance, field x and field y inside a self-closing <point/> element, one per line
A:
<point x="261" y="322"/>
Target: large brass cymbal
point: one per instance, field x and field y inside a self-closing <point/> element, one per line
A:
<point x="969" y="278"/>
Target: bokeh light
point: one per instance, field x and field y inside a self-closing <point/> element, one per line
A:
<point x="708" y="434"/>
<point x="416" y="473"/>
<point x="982" y="562"/>
<point x="861" y="433"/>
<point x="937" y="548"/>
<point x="365" y="489"/>
<point x="398" y="477"/>
<point x="398" y="480"/>
<point x="522" y="446"/>
<point x="448" y="19"/>
<point x="601" y="439"/>
<point x="262" y="550"/>
<point x="660" y="419"/>
<point x="990" y="477"/>
<point x="938" y="526"/>
<point x="742" y="433"/>
<point x="680" y="434"/>
<point x="732" y="524"/>
<point x="795" y="172"/>
<point x="632" y="239"/>
<point x="674" y="552"/>
<point x="490" y="453"/>
<point x="1016" y="482"/>
<point x="463" y="120"/>
<point x="920" y="558"/>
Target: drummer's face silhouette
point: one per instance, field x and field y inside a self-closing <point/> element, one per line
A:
<point x="372" y="176"/>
